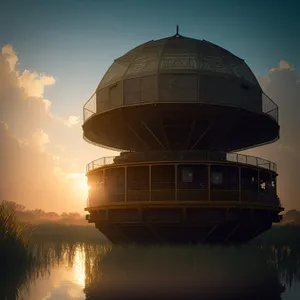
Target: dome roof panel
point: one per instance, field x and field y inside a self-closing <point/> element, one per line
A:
<point x="177" y="54"/>
<point x="115" y="72"/>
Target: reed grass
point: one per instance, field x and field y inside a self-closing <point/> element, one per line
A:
<point x="13" y="242"/>
<point x="15" y="255"/>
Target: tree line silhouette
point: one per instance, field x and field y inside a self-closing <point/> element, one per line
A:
<point x="38" y="216"/>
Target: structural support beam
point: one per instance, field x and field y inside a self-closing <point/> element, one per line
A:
<point x="153" y="135"/>
<point x="203" y="134"/>
<point x="193" y="125"/>
<point x="158" y="237"/>
<point x="231" y="233"/>
<point x="138" y="136"/>
<point x="166" y="140"/>
<point x="209" y="233"/>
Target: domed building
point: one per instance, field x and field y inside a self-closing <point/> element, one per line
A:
<point x="178" y="109"/>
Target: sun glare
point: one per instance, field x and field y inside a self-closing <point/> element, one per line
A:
<point x="79" y="267"/>
<point x="83" y="185"/>
<point x="79" y="183"/>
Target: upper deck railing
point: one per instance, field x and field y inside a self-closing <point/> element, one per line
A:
<point x="91" y="108"/>
<point x="167" y="156"/>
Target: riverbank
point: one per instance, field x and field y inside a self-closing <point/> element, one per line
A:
<point x="66" y="233"/>
<point x="279" y="235"/>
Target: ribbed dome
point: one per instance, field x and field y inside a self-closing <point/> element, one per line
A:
<point x="175" y="55"/>
<point x="180" y="93"/>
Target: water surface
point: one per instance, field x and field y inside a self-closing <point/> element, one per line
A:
<point x="101" y="271"/>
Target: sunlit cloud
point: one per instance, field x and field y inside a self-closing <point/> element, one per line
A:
<point x="282" y="85"/>
<point x="284" y="65"/>
<point x="26" y="148"/>
<point x="39" y="139"/>
<point x="71" y="121"/>
<point x="10" y="56"/>
<point x="34" y="83"/>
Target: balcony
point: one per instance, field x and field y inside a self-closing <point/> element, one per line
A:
<point x="92" y="106"/>
<point x="184" y="156"/>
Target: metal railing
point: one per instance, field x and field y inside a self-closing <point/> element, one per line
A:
<point x="91" y="107"/>
<point x="269" y="107"/>
<point x="183" y="156"/>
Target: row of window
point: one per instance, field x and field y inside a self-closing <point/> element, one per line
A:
<point x="166" y="177"/>
<point x="98" y="197"/>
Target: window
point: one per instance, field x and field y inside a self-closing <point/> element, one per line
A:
<point x="138" y="178"/>
<point x="192" y="182"/>
<point x="163" y="183"/>
<point x="264" y="181"/>
<point x="249" y="179"/>
<point x="224" y="177"/>
<point x="163" y="177"/>
<point x="192" y="177"/>
<point x="217" y="178"/>
<point x="187" y="175"/>
<point x="138" y="183"/>
<point x="115" y="184"/>
<point x="96" y="192"/>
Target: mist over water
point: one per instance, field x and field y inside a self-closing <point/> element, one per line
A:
<point x="102" y="271"/>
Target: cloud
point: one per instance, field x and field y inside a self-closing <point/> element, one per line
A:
<point x="34" y="83"/>
<point x="71" y="121"/>
<point x="33" y="171"/>
<point x="283" y="65"/>
<point x="34" y="177"/>
<point x="39" y="139"/>
<point x="10" y="56"/>
<point x="282" y="85"/>
<point x="22" y="102"/>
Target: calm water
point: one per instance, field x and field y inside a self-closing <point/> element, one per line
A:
<point x="89" y="271"/>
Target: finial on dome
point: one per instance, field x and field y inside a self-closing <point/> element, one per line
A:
<point x="177" y="32"/>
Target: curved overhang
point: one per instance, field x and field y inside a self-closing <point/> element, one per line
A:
<point x="156" y="126"/>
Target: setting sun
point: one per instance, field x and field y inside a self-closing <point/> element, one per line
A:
<point x="79" y="183"/>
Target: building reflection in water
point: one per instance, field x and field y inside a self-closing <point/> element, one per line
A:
<point x="185" y="273"/>
<point x="197" y="272"/>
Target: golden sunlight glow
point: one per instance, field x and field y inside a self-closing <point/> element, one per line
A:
<point x="79" y="183"/>
<point x="79" y="266"/>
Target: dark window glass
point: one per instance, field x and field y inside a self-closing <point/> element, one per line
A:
<point x="163" y="177"/>
<point x="192" y="177"/>
<point x="224" y="177"/>
<point x="249" y="179"/>
<point x="138" y="178"/>
<point x="115" y="184"/>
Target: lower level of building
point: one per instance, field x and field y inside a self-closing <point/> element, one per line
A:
<point x="183" y="200"/>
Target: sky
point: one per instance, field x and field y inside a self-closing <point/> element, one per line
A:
<point x="54" y="53"/>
